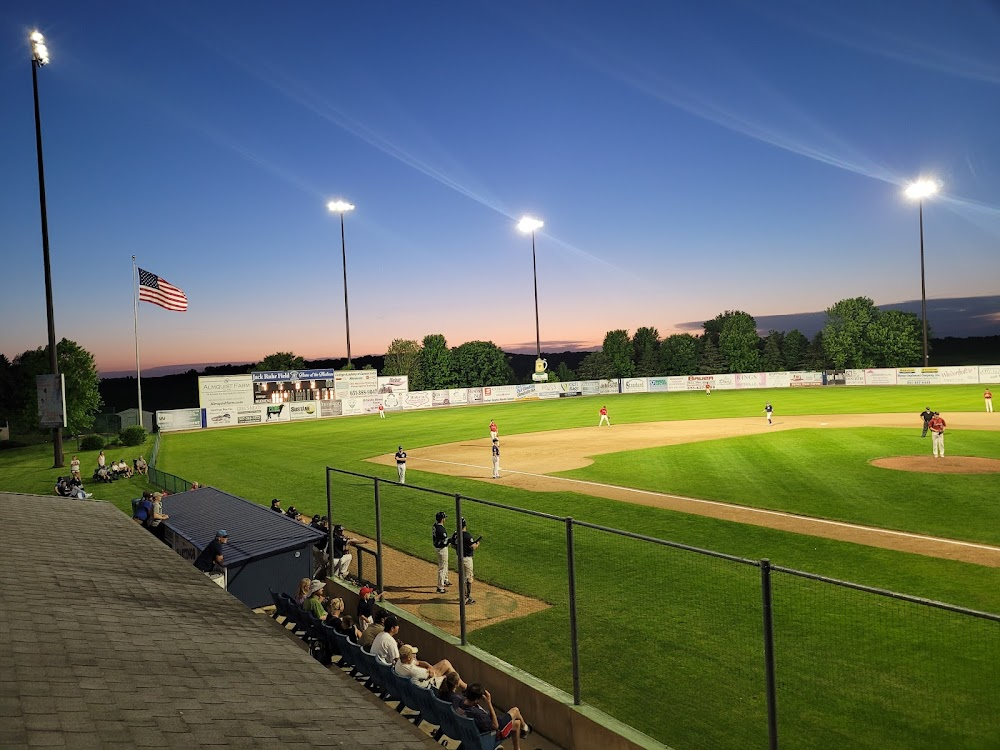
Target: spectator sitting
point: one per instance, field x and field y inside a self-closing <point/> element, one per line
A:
<point x="141" y="467"/>
<point x="195" y="486"/>
<point x="156" y="517"/>
<point x="421" y="673"/>
<point x="124" y="468"/>
<point x="449" y="691"/>
<point x="76" y="487"/>
<point x="315" y="603"/>
<point x="303" y="591"/>
<point x="102" y="474"/>
<point x="348" y="629"/>
<point x="62" y="487"/>
<point x="276" y="506"/>
<point x="505" y="724"/>
<point x="385" y="646"/>
<point x="335" y="608"/>
<point x="366" y="605"/>
<point x="292" y="512"/>
<point x="377" y="626"/>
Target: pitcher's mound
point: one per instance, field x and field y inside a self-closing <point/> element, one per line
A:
<point x="946" y="465"/>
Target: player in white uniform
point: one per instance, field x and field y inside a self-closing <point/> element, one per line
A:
<point x="496" y="458"/>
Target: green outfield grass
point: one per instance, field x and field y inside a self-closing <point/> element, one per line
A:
<point x="670" y="641"/>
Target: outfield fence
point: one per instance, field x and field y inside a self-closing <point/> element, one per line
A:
<point x="696" y="648"/>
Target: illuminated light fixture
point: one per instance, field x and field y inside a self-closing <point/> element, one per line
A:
<point x="917" y="191"/>
<point x="39" y="52"/>
<point x="529" y="225"/>
<point x="341" y="207"/>
<point x="922" y="189"/>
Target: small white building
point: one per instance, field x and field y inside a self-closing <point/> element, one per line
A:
<point x="130" y="418"/>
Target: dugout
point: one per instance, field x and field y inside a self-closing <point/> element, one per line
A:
<point x="266" y="550"/>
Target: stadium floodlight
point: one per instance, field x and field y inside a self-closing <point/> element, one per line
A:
<point x="918" y="190"/>
<point x="40" y="57"/>
<point x="528" y="225"/>
<point x="341" y="207"/>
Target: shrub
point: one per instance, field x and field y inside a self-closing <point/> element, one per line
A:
<point x="91" y="443"/>
<point x="134" y="435"/>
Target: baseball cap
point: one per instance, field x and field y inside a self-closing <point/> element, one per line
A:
<point x="365" y="591"/>
<point x="222" y="532"/>
<point x="316" y="586"/>
<point x="441" y="515"/>
<point x="407" y="650"/>
<point x="400" y="448"/>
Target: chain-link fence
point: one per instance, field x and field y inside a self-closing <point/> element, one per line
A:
<point x="695" y="648"/>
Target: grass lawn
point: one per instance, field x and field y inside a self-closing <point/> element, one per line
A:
<point x="670" y="640"/>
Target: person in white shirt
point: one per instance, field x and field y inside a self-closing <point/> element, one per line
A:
<point x="422" y="673"/>
<point x="384" y="646"/>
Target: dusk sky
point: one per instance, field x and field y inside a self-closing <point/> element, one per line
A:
<point x="687" y="158"/>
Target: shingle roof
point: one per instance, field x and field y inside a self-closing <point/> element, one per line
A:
<point x="254" y="531"/>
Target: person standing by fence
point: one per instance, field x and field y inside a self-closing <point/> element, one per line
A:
<point x="466" y="552"/>
<point x="401" y="465"/>
<point x="439" y="538"/>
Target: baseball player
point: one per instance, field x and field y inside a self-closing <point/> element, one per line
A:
<point x="769" y="411"/>
<point x="926" y="415"/>
<point x="381" y="411"/>
<point x="401" y="465"/>
<point x="493" y="430"/>
<point x="604" y="417"/>
<point x="708" y="389"/>
<point x="988" y="398"/>
<point x="341" y="557"/>
<point x="937" y="425"/>
<point x="496" y="458"/>
<point x="469" y="547"/>
<point x="439" y="538"/>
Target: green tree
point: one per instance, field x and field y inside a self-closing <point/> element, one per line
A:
<point x="8" y="402"/>
<point x="564" y="373"/>
<point x="713" y="327"/>
<point x="76" y="364"/>
<point x="481" y="363"/>
<point x="679" y="354"/>
<point x="435" y="363"/>
<point x="403" y="358"/>
<point x="845" y="335"/>
<point x="280" y="361"/>
<point x="793" y="349"/>
<point x="595" y="366"/>
<point x="771" y="359"/>
<point x="815" y="359"/>
<point x="618" y="351"/>
<point x="739" y="343"/>
<point x="646" y="345"/>
<point x="711" y="361"/>
<point x="896" y="339"/>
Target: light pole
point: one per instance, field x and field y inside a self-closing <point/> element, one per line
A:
<point x="340" y="207"/>
<point x="918" y="191"/>
<point x="40" y="57"/>
<point x="528" y="225"/>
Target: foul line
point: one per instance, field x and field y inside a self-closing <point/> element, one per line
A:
<point x="747" y="508"/>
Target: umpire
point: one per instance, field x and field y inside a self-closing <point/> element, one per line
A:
<point x="926" y="415"/>
<point x="440" y="540"/>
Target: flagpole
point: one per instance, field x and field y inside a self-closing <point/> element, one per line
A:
<point x="135" y="320"/>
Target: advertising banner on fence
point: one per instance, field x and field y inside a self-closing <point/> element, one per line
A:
<point x="417" y="399"/>
<point x="854" y="377"/>
<point x="750" y="380"/>
<point x="460" y="396"/>
<point x="291" y="376"/>
<point x="880" y="376"/>
<point x="225" y="391"/>
<point x="247" y="415"/>
<point x="220" y="416"/>
<point x="805" y="379"/>
<point x="937" y="375"/>
<point x="493" y="394"/>
<point x="178" y="419"/>
<point x="355" y="383"/>
<point x="633" y="385"/>
<point x="590" y="387"/>
<point x="724" y="381"/>
<point x="441" y="397"/>
<point x="607" y="387"/>
<point x="302" y="410"/>
<point x="393" y="383"/>
<point x="656" y="385"/>
<point x="331" y="408"/>
<point x="275" y="413"/>
<point x="526" y="392"/>
<point x="391" y="401"/>
<point x="776" y="379"/>
<point x="989" y="373"/>
<point x="352" y="406"/>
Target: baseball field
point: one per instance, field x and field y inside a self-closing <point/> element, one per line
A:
<point x="670" y="640"/>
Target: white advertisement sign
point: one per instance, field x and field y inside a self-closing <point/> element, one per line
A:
<point x="750" y="380"/>
<point x="777" y="379"/>
<point x="178" y="419"/>
<point x="591" y="387"/>
<point x="392" y="401"/>
<point x="275" y="413"/>
<point x="417" y="399"/>
<point x="854" y="377"/>
<point x="607" y="387"/>
<point x="473" y="396"/>
<point x="331" y="409"/>
<point x="441" y="397"/>
<point x="302" y="410"/>
<point x="353" y="406"/>
<point x="937" y="375"/>
<point x="989" y="373"/>
<point x="251" y="415"/>
<point x="656" y="385"/>
<point x="355" y="383"/>
<point x="493" y="394"/>
<point x="633" y="385"/>
<point x="880" y="376"/>
<point x="460" y="396"/>
<point x="805" y="379"/>
<point x="393" y="383"/>
<point x="51" y="390"/>
<point x="220" y="416"/>
<point x="527" y="392"/>
<point x="225" y="391"/>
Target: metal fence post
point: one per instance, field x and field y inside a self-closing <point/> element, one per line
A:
<point x="459" y="549"/>
<point x="573" y="637"/>
<point x="772" y="697"/>
<point x="378" y="539"/>
<point x="329" y="525"/>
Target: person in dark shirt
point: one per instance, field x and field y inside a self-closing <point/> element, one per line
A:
<point x="926" y="415"/>
<point x="469" y="546"/>
<point x="212" y="554"/>
<point x="341" y="557"/>
<point x="478" y="706"/>
<point x="276" y="506"/>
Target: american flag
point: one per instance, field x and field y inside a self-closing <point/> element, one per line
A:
<point x="161" y="292"/>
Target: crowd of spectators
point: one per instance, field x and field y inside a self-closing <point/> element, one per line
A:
<point x="72" y="487"/>
<point x="111" y="471"/>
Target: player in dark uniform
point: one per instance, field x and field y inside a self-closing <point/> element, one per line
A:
<point x="401" y="465"/>
<point x="439" y="537"/>
<point x="496" y="458"/>
<point x="469" y="547"/>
